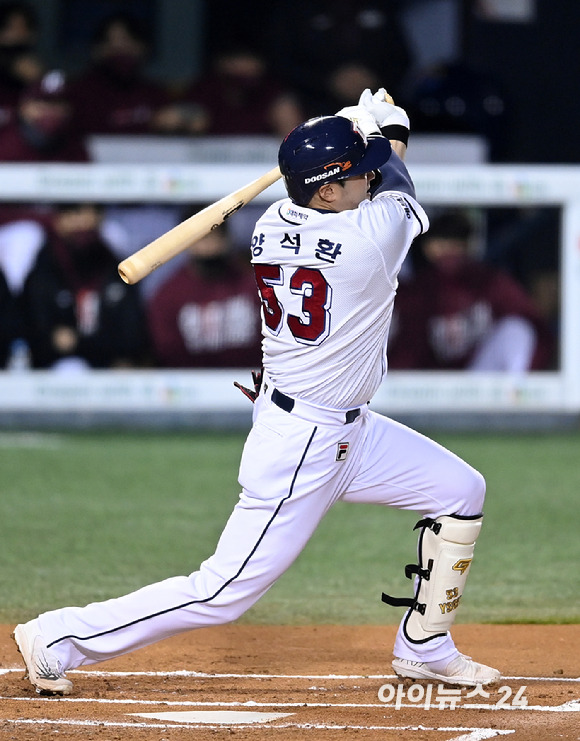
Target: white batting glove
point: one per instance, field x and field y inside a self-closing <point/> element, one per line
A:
<point x="384" y="113"/>
<point x="392" y="120"/>
<point x="362" y="117"/>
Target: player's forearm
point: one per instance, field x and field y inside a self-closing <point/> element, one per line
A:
<point x="399" y="148"/>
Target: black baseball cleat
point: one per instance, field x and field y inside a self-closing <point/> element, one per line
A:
<point x="461" y="671"/>
<point x="44" y="670"/>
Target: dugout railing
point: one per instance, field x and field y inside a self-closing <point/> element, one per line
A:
<point x="196" y="398"/>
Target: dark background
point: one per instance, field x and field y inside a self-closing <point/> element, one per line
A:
<point x="535" y="64"/>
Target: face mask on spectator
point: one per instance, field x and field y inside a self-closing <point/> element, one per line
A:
<point x="451" y="265"/>
<point x="122" y="66"/>
<point x="84" y="240"/>
<point x="9" y="54"/>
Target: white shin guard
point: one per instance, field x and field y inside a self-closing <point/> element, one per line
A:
<point x="445" y="552"/>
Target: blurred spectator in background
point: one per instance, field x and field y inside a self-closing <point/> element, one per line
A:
<point x="459" y="313"/>
<point x="305" y="38"/>
<point x="131" y="226"/>
<point x="239" y="96"/>
<point x="19" y="64"/>
<point x="344" y="86"/>
<point x="8" y="321"/>
<point x="114" y="96"/>
<point x="20" y="243"/>
<point x="78" y="314"/>
<point x="207" y="314"/>
<point x="452" y="98"/>
<point x="526" y="243"/>
<point x="45" y="129"/>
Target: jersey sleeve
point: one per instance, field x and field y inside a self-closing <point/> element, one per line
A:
<point x="392" y="220"/>
<point x="394" y="176"/>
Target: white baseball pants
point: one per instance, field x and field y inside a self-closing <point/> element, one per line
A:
<point x="292" y="471"/>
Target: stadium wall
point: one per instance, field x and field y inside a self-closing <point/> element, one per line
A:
<point x="197" y="399"/>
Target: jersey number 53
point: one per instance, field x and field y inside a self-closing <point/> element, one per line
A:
<point x="313" y="326"/>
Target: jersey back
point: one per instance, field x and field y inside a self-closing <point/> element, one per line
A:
<point x="327" y="282"/>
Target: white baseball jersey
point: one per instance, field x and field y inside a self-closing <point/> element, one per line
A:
<point x="327" y="282"/>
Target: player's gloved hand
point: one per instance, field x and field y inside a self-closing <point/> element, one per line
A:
<point x="384" y="112"/>
<point x="392" y="120"/>
<point x="252" y="394"/>
<point x="362" y="117"/>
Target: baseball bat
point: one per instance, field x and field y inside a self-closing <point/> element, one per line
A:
<point x="143" y="262"/>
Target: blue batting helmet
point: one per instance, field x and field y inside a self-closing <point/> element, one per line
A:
<point x="324" y="150"/>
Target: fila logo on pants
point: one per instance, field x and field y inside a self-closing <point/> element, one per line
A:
<point x="341" y="451"/>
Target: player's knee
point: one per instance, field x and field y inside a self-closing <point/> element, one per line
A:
<point x="468" y="493"/>
<point x="475" y="494"/>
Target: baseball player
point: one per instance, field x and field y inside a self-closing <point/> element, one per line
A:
<point x="326" y="261"/>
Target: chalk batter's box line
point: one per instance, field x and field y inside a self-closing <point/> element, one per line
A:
<point x="206" y="675"/>
<point x="567" y="707"/>
<point x="468" y="734"/>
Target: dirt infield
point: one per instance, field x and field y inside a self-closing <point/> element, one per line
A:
<point x="320" y="682"/>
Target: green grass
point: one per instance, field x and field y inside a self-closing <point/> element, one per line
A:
<point x="91" y="516"/>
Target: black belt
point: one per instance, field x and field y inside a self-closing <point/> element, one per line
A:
<point x="287" y="404"/>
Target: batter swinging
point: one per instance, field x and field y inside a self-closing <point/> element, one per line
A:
<point x="326" y="261"/>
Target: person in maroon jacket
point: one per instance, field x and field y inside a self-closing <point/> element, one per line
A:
<point x="114" y="96"/>
<point x="20" y="66"/>
<point x="239" y="96"/>
<point x="207" y="314"/>
<point x="456" y="312"/>
<point x="45" y="129"/>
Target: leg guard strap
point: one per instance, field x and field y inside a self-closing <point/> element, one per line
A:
<point x="445" y="552"/>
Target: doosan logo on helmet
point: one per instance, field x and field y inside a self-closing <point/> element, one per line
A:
<point x="343" y="165"/>
<point x="338" y="167"/>
<point x="322" y="175"/>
